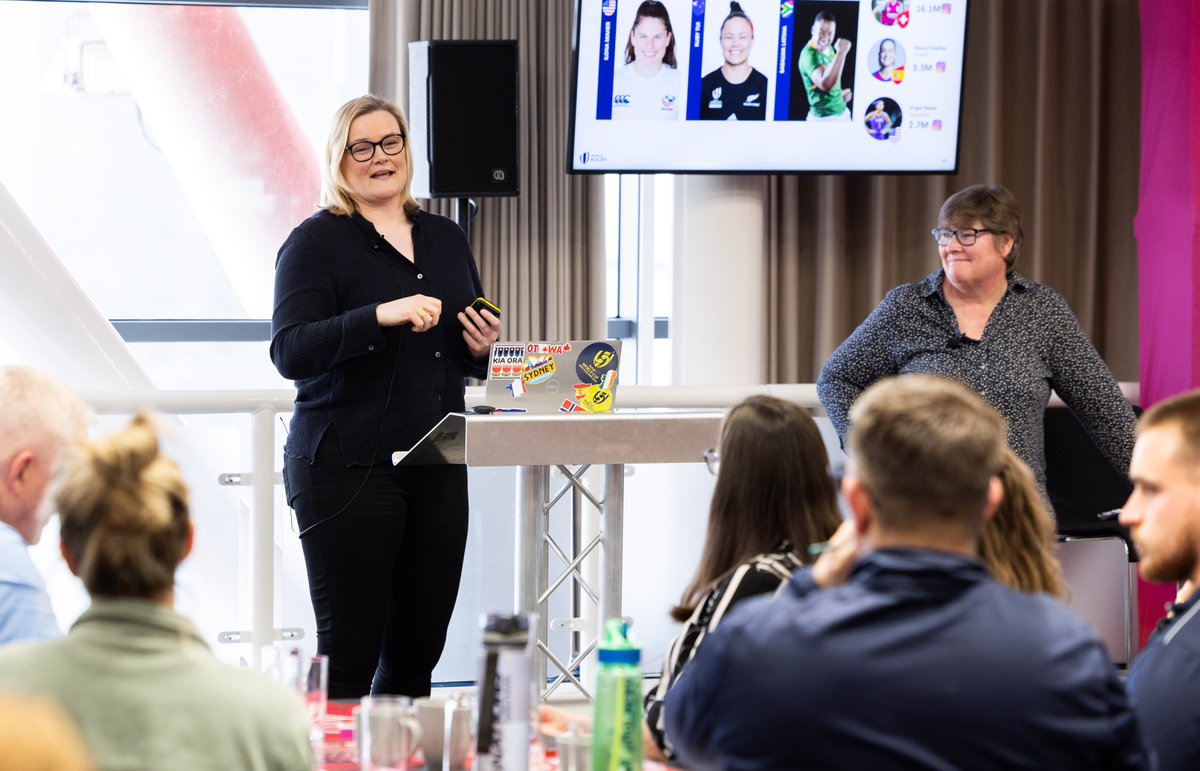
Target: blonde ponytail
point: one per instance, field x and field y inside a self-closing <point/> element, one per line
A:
<point x="124" y="511"/>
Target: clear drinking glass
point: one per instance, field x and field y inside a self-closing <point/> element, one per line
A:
<point x="306" y="675"/>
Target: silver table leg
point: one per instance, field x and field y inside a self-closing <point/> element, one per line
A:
<point x="612" y="532"/>
<point x="532" y="557"/>
<point x="533" y="483"/>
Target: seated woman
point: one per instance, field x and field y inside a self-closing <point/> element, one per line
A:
<point x="1017" y="542"/>
<point x="773" y="497"/>
<point x="141" y="685"/>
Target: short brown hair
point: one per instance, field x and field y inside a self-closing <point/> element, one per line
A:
<point x="995" y="207"/>
<point x="335" y="194"/>
<point x="925" y="449"/>
<point x="1182" y="410"/>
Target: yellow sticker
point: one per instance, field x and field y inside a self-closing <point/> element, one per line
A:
<point x="596" y="399"/>
<point x="538" y="369"/>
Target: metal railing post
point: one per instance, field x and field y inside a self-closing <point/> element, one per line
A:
<point x="262" y="532"/>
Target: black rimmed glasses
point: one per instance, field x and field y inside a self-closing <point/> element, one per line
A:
<point x="712" y="459"/>
<point x="965" y="236"/>
<point x="392" y="144"/>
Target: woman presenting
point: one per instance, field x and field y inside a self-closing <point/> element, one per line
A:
<point x="373" y="321"/>
<point x="979" y="322"/>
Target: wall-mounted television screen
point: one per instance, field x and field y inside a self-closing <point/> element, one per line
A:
<point x="709" y="86"/>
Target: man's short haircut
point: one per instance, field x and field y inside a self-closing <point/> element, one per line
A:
<point x="37" y="412"/>
<point x="824" y="16"/>
<point x="924" y="449"/>
<point x="1182" y="410"/>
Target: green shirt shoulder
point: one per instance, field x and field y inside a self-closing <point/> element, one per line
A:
<point x="821" y="103"/>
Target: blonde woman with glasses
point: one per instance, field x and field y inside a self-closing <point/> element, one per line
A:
<point x="373" y="321"/>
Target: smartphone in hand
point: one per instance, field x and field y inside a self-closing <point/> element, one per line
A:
<point x="482" y="303"/>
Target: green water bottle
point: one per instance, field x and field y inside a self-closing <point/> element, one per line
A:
<point x="617" y="732"/>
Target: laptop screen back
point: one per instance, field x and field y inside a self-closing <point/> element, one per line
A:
<point x="548" y="377"/>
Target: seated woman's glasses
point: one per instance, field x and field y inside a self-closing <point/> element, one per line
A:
<point x="965" y="236"/>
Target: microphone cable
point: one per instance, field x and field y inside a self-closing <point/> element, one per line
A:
<point x="374" y="452"/>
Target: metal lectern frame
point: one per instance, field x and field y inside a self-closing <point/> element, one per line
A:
<point x="534" y="444"/>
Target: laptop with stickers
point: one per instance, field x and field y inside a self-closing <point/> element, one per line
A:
<point x="548" y="377"/>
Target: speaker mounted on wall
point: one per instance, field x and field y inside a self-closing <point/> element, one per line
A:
<point x="463" y="117"/>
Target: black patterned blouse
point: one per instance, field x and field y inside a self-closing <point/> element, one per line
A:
<point x="1032" y="343"/>
<point x="763" y="574"/>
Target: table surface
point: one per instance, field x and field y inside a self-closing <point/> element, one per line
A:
<point x="640" y="436"/>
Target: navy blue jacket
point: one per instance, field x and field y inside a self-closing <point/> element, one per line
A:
<point x="919" y="661"/>
<point x="1164" y="685"/>
<point x="382" y="389"/>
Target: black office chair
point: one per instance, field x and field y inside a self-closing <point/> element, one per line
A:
<point x="1081" y="483"/>
<point x="1097" y="555"/>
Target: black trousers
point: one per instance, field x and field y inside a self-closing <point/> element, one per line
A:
<point x="383" y="547"/>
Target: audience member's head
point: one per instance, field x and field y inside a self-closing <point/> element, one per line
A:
<point x="39" y="419"/>
<point x="1163" y="517"/>
<point x="37" y="735"/>
<point x="1017" y="543"/>
<point x="124" y="512"/>
<point x="924" y="454"/>
<point x="1163" y="513"/>
<point x="773" y="487"/>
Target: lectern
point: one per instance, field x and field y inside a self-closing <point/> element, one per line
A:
<point x="535" y="443"/>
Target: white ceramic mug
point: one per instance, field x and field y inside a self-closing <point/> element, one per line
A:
<point x="436" y="715"/>
<point x="386" y="731"/>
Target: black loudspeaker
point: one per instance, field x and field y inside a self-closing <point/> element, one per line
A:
<point x="462" y="109"/>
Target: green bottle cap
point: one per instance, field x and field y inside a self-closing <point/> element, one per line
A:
<point x="615" y="646"/>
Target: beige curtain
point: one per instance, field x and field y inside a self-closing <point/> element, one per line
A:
<point x="1050" y="110"/>
<point x="541" y="254"/>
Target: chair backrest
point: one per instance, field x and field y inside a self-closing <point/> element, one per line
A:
<point x="1080" y="481"/>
